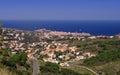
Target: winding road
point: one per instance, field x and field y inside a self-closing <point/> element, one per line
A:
<point x="89" y="69"/>
<point x="36" y="66"/>
<point x="94" y="72"/>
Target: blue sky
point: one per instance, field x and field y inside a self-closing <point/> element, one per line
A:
<point x="60" y="10"/>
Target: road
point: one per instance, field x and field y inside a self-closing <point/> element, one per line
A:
<point x="35" y="67"/>
<point x="83" y="67"/>
<point x="87" y="69"/>
<point x="35" y="64"/>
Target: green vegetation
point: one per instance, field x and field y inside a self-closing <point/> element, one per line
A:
<point x="1" y="40"/>
<point x="12" y="64"/>
<point x="54" y="69"/>
<point x="104" y="57"/>
<point x="16" y="63"/>
<point x="5" y="71"/>
<point x="107" y="51"/>
<point x="19" y="59"/>
<point x="107" y="61"/>
<point x="111" y="68"/>
<point x="75" y="67"/>
<point x="31" y="38"/>
<point x="65" y="71"/>
<point x="50" y="67"/>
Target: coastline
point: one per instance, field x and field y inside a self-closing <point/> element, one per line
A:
<point x="107" y="27"/>
<point x="44" y="29"/>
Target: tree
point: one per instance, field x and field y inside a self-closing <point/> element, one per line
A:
<point x="50" y="67"/>
<point x="23" y="57"/>
<point x="58" y="53"/>
<point x="65" y="71"/>
<point x="19" y="59"/>
<point x="104" y="57"/>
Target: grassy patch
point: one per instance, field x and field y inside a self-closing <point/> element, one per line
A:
<point x="5" y="71"/>
<point x="112" y="68"/>
<point x="77" y="68"/>
<point x="80" y="70"/>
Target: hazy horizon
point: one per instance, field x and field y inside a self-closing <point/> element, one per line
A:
<point x="60" y="10"/>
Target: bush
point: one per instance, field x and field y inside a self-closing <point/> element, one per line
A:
<point x="54" y="69"/>
<point x="68" y="72"/>
<point x="104" y="57"/>
<point x="50" y="67"/>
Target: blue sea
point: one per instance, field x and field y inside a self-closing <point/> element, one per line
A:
<point x="93" y="27"/>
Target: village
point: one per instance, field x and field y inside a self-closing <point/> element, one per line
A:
<point x="47" y="45"/>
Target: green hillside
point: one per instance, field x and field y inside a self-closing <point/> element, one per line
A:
<point x="107" y="61"/>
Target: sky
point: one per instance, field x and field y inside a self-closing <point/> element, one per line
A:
<point x="59" y="9"/>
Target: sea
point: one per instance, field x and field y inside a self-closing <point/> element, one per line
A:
<point x="94" y="27"/>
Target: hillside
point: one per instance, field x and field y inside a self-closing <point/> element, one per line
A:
<point x="76" y="53"/>
<point x="107" y="61"/>
<point x="5" y="71"/>
<point x="17" y="63"/>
